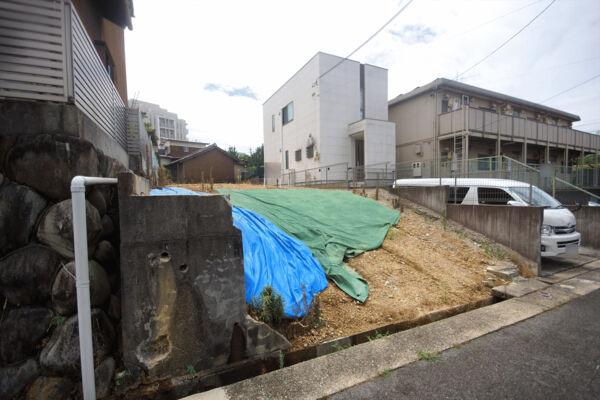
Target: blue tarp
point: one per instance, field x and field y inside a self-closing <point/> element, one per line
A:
<point x="271" y="257"/>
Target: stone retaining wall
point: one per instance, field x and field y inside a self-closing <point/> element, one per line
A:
<point x="39" y="345"/>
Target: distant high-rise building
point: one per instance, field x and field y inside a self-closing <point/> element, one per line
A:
<point x="167" y="124"/>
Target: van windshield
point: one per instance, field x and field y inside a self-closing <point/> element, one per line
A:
<point x="539" y="198"/>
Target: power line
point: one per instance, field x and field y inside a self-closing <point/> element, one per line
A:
<point x="366" y="41"/>
<point x="496" y="19"/>
<point x="571" y="88"/>
<point x="506" y="41"/>
<point x="536" y="71"/>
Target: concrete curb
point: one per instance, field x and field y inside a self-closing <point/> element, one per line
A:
<point x="326" y="375"/>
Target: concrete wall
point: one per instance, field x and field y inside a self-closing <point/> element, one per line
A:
<point x="182" y="284"/>
<point x="33" y="118"/>
<point x="432" y="197"/>
<point x="376" y="85"/>
<point x="515" y="227"/>
<point x="415" y="123"/>
<point x="588" y="224"/>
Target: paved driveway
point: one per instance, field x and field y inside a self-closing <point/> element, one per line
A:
<point x="552" y="265"/>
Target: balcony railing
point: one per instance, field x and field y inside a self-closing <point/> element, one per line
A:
<point x="46" y="54"/>
<point x="488" y="123"/>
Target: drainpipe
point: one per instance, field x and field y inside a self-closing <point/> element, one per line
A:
<point x="82" y="278"/>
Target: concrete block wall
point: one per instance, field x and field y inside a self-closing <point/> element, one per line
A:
<point x="588" y="225"/>
<point x="518" y="228"/>
<point x="432" y="197"/>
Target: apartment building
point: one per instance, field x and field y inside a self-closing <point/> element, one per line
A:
<point x="331" y="112"/>
<point x="167" y="124"/>
<point x="449" y="120"/>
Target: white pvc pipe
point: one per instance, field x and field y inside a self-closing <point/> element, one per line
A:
<point x="82" y="278"/>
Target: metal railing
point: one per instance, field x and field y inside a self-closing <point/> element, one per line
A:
<point x="469" y="119"/>
<point x="46" y="54"/>
<point x="482" y="169"/>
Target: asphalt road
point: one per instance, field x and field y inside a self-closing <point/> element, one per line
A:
<point x="555" y="355"/>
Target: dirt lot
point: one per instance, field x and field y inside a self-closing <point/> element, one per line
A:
<point x="425" y="264"/>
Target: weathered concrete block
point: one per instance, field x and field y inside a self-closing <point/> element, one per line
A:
<point x="47" y="163"/>
<point x="518" y="288"/>
<point x="15" y="378"/>
<point x="182" y="282"/>
<point x="19" y="210"/>
<point x="503" y="271"/>
<point x="61" y="354"/>
<point x="22" y="331"/>
<point x="64" y="292"/>
<point x="56" y="227"/>
<point x="26" y="274"/>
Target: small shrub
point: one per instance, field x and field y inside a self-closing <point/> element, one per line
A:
<point x="268" y="307"/>
<point x="428" y="356"/>
<point x="338" y="346"/>
<point x="377" y="335"/>
<point x="190" y="370"/>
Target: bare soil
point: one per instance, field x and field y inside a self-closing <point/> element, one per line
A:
<point x="425" y="264"/>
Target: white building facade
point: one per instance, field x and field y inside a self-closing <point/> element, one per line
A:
<point x="167" y="124"/>
<point x="325" y="123"/>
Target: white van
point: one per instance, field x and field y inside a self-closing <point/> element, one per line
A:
<point x="558" y="229"/>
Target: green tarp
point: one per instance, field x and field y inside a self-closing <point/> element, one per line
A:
<point x="333" y="224"/>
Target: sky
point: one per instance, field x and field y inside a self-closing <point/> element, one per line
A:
<point x="215" y="62"/>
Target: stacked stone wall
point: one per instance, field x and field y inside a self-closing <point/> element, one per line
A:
<point x="39" y="345"/>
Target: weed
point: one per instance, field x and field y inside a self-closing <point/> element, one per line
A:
<point x="281" y="359"/>
<point x="428" y="356"/>
<point x="386" y="372"/>
<point x="444" y="222"/>
<point x="121" y="375"/>
<point x="338" y="346"/>
<point x="493" y="251"/>
<point x="268" y="307"/>
<point x="56" y="321"/>
<point x="190" y="370"/>
<point x="377" y="335"/>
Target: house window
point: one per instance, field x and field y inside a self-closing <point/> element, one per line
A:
<point x="310" y="151"/>
<point x="273" y="123"/>
<point x="298" y="155"/>
<point x="287" y="113"/>
<point x="166" y="127"/>
<point x="465" y="100"/>
<point x="445" y="105"/>
<point x="287" y="160"/>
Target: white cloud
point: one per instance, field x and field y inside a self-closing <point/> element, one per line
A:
<point x="252" y="48"/>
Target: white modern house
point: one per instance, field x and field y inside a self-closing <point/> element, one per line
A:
<point x="326" y="121"/>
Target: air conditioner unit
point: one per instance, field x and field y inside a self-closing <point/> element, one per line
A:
<point x="416" y="168"/>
